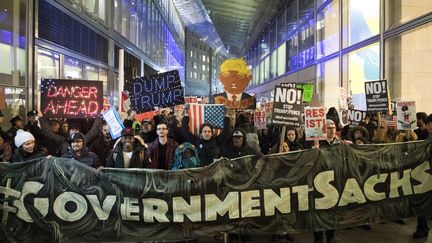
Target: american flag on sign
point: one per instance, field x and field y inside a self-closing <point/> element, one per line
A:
<point x="208" y="113"/>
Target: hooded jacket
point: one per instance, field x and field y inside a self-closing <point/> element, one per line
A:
<point x="363" y="130"/>
<point x="232" y="152"/>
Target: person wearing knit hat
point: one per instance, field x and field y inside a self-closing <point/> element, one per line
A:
<point x="23" y="137"/>
<point x="26" y="147"/>
<point x="79" y="151"/>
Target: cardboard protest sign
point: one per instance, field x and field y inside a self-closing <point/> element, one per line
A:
<point x="343" y="101"/>
<point x="287" y="106"/>
<point x="406" y="115"/>
<point x="377" y="96"/>
<point x="112" y="118"/>
<point x="315" y="123"/>
<point x="356" y="116"/>
<point x="191" y="99"/>
<point x="260" y="119"/>
<point x="390" y="120"/>
<point x="308" y="89"/>
<point x="161" y="90"/>
<point x="235" y="76"/>
<point x="71" y="98"/>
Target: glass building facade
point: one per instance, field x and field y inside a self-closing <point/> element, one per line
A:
<point x="80" y="39"/>
<point x="343" y="43"/>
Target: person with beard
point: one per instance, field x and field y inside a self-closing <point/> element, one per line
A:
<point x="79" y="151"/>
<point x="238" y="146"/>
<point x="147" y="132"/>
<point x="161" y="150"/>
<point x="62" y="143"/>
<point x="103" y="144"/>
<point x="332" y="140"/>
<point x="128" y="153"/>
<point x="26" y="148"/>
<point x="186" y="156"/>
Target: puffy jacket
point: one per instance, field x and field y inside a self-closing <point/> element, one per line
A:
<point x="208" y="150"/>
<point x="87" y="157"/>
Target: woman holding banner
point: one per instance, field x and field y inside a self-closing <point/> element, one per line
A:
<point x="207" y="144"/>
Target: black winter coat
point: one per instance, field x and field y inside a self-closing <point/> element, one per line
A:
<point x="208" y="150"/>
<point x="20" y="155"/>
<point x="139" y="158"/>
<point x="87" y="157"/>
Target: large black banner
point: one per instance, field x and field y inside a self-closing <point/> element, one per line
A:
<point x="160" y="90"/>
<point x="60" y="199"/>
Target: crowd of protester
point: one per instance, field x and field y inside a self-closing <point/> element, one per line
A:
<point x="165" y="142"/>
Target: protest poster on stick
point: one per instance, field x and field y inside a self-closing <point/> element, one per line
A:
<point x="260" y="119"/>
<point x="377" y="96"/>
<point x="112" y="118"/>
<point x="161" y="90"/>
<point x="315" y="121"/>
<point x="356" y="116"/>
<point x="406" y="115"/>
<point x="71" y="98"/>
<point x="308" y="89"/>
<point x="287" y="106"/>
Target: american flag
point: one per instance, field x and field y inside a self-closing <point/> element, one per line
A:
<point x="208" y="113"/>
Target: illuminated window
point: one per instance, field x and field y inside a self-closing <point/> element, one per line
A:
<point x="328" y="30"/>
<point x="408" y="67"/>
<point x="327" y="74"/>
<point x="266" y="68"/>
<point x="360" y="20"/>
<point x="360" y="66"/>
<point x="401" y="11"/>
<point x="72" y="68"/>
<point x="281" y="57"/>
<point x="91" y="72"/>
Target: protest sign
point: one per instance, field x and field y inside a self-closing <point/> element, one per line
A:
<point x="343" y="101"/>
<point x="191" y="99"/>
<point x="315" y="123"/>
<point x="112" y="118"/>
<point x="287" y="106"/>
<point x="406" y="115"/>
<point x="377" y="96"/>
<point x="356" y="116"/>
<point x="337" y="187"/>
<point x="308" y="89"/>
<point x="260" y="119"/>
<point x="71" y="98"/>
<point x="160" y="90"/>
<point x="390" y="120"/>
